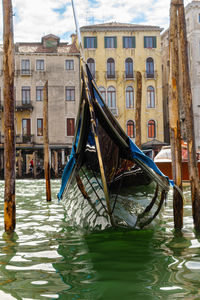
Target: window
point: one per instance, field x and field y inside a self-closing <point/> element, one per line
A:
<point x="111" y="94"/>
<point x="199" y="19"/>
<point x="39" y="127"/>
<point x="70" y="126"/>
<point x="25" y="66"/>
<point x="129" y="97"/>
<point x="39" y="93"/>
<point x="26" y="126"/>
<point x="128" y="42"/>
<point x="110" y="68"/>
<point x="40" y="64"/>
<point x="103" y="93"/>
<point x="131" y="129"/>
<point x="26" y="94"/>
<point x="91" y="65"/>
<point x="129" y="68"/>
<point x="150" y="97"/>
<point x="150" y="68"/>
<point x="151" y="129"/>
<point x="70" y="93"/>
<point x="110" y="42"/>
<point x="69" y="64"/>
<point x="90" y="42"/>
<point x="150" y="42"/>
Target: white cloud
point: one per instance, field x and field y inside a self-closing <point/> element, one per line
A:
<point x="34" y="19"/>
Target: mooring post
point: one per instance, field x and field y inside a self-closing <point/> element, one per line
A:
<point x="189" y="118"/>
<point x="34" y="164"/>
<point x="20" y="164"/>
<point x="174" y="118"/>
<point x="46" y="143"/>
<point x="9" y="108"/>
<point x="138" y="109"/>
<point x="56" y="163"/>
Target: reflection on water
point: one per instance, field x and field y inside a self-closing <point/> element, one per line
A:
<point x="47" y="259"/>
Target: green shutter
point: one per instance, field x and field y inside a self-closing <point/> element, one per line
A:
<point x="154" y="42"/>
<point x="95" y="42"/>
<point x="123" y="41"/>
<point x="85" y="42"/>
<point x="133" y="42"/>
<point x="115" y="42"/>
<point x="105" y="42"/>
<point x="145" y="43"/>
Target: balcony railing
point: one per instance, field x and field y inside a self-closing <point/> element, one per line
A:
<point x="20" y="139"/>
<point x="129" y="76"/>
<point x="26" y="72"/>
<point x="114" y="110"/>
<point x="151" y="75"/>
<point x="111" y="76"/>
<point x="22" y="105"/>
<point x="25" y="138"/>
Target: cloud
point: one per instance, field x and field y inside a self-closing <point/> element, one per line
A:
<point x="34" y="19"/>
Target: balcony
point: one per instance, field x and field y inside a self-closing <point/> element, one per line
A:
<point x="23" y="106"/>
<point x="24" y="138"/>
<point x="20" y="139"/>
<point x="26" y="72"/>
<point x="151" y="75"/>
<point x="111" y="76"/>
<point x="129" y="76"/>
<point x="114" y="111"/>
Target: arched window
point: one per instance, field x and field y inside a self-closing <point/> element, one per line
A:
<point x="111" y="97"/>
<point x="110" y="68"/>
<point x="129" y="68"/>
<point x="150" y="97"/>
<point x="151" y="129"/>
<point x="150" y="67"/>
<point x="131" y="128"/>
<point x="129" y="97"/>
<point x="91" y="65"/>
<point x="102" y="90"/>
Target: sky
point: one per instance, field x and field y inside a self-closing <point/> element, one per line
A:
<point x="33" y="19"/>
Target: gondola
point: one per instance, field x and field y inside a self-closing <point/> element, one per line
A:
<point x="108" y="180"/>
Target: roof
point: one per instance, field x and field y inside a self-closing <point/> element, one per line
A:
<point x="116" y="26"/>
<point x="153" y="144"/>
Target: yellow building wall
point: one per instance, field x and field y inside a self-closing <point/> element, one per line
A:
<point x="139" y="56"/>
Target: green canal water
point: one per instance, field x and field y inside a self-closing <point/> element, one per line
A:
<point x="47" y="259"/>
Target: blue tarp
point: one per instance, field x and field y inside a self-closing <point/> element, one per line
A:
<point x="138" y="154"/>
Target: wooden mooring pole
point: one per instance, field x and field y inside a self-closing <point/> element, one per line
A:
<point x="9" y="108"/>
<point x="174" y="118"/>
<point x="138" y="109"/>
<point x="189" y="118"/>
<point x="46" y="143"/>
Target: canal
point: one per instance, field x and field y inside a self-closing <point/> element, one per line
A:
<point x="48" y="259"/>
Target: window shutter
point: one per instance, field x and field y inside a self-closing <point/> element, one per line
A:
<point x="145" y="42"/>
<point x="95" y="42"/>
<point x="115" y="42"/>
<point x="154" y="42"/>
<point x="105" y="42"/>
<point x="123" y="41"/>
<point x="133" y="42"/>
<point x="85" y="42"/>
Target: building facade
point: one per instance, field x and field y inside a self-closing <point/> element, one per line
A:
<point x="35" y="63"/>
<point x="114" y="52"/>
<point x="192" y="15"/>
